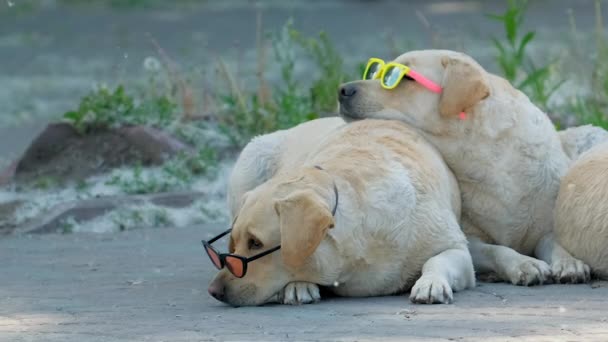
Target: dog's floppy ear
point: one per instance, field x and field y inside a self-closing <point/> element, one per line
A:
<point x="464" y="85"/>
<point x="304" y="221"/>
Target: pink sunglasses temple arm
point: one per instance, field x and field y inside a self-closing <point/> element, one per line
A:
<point x="432" y="86"/>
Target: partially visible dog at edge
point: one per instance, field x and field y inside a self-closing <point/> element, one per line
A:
<point x="395" y="226"/>
<point x="504" y="151"/>
<point x="581" y="211"/>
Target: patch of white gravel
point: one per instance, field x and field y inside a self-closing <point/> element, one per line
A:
<point x="211" y="208"/>
<point x="152" y="216"/>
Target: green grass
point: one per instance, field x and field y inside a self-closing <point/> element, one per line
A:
<point x="541" y="82"/>
<point x="104" y="108"/>
<point x="593" y="108"/>
<point x="289" y="102"/>
<point x="330" y="73"/>
<point x="241" y="113"/>
<point x="514" y="61"/>
<point x="129" y="218"/>
<point x="177" y="173"/>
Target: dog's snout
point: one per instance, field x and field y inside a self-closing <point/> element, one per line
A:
<point x="217" y="291"/>
<point x="347" y="91"/>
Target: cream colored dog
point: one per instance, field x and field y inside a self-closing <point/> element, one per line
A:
<point x="266" y="155"/>
<point x="395" y="226"/>
<point x="506" y="155"/>
<point x="581" y="212"/>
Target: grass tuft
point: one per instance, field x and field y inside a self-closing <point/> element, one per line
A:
<point x="514" y="61"/>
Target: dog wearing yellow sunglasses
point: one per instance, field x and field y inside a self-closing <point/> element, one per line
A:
<point x="504" y="151"/>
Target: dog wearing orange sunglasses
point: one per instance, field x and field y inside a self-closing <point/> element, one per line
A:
<point x="366" y="209"/>
<point x="504" y="151"/>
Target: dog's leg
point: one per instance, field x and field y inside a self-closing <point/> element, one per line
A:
<point x="565" y="267"/>
<point x="508" y="264"/>
<point x="447" y="272"/>
<point x="300" y="292"/>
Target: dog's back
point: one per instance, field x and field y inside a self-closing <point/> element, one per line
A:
<point x="353" y="152"/>
<point x="270" y="153"/>
<point x="399" y="203"/>
<point x="369" y="207"/>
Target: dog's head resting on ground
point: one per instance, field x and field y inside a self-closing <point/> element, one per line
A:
<point x="464" y="87"/>
<point x="293" y="212"/>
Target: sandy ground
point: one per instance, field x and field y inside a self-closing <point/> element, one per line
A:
<point x="150" y="285"/>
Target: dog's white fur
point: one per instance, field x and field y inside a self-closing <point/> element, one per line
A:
<point x="267" y="154"/>
<point x="506" y="155"/>
<point x="396" y="225"/>
<point x="581" y="211"/>
<point x="577" y="140"/>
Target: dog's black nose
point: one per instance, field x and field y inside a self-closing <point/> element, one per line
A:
<point x="347" y="91"/>
<point x="218" y="292"/>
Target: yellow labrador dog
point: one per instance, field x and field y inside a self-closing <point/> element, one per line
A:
<point x="267" y="154"/>
<point x="503" y="150"/>
<point x="581" y="212"/>
<point x="369" y="209"/>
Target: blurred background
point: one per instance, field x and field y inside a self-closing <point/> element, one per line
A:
<point x="152" y="97"/>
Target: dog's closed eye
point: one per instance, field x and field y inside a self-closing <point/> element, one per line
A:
<point x="254" y="244"/>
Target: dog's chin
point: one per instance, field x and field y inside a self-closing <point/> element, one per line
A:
<point x="276" y="298"/>
<point x="349" y="115"/>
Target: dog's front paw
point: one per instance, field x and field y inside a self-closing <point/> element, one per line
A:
<point x="529" y="271"/>
<point x="570" y="270"/>
<point x="431" y="290"/>
<point x="300" y="292"/>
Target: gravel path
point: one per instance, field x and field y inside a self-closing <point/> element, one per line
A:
<point x="150" y="285"/>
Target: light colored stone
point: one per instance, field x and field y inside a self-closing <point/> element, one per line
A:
<point x="85" y="210"/>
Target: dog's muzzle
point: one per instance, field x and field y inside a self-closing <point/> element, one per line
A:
<point x="346" y="94"/>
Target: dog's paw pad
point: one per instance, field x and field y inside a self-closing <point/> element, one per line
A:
<point x="300" y="292"/>
<point x="570" y="270"/>
<point x="530" y="271"/>
<point x="431" y="290"/>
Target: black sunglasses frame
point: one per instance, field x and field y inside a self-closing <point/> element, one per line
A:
<point x="222" y="256"/>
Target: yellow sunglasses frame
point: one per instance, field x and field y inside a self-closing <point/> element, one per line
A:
<point x="369" y="64"/>
<point x="404" y="70"/>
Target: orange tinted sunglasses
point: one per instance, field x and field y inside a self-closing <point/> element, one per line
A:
<point x="236" y="264"/>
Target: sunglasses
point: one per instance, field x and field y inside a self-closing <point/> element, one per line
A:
<point x="391" y="74"/>
<point x="236" y="264"/>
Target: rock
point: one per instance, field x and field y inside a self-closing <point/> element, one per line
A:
<point x="60" y="154"/>
<point x="7" y="175"/>
<point x="154" y="145"/>
<point x="85" y="210"/>
<point x="7" y="215"/>
<point x="53" y="139"/>
<point x="175" y="199"/>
